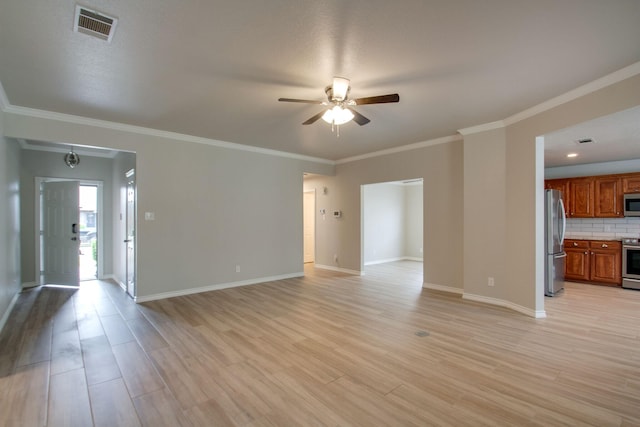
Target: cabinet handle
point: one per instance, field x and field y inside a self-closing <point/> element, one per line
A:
<point x="586" y="253"/>
<point x="575" y="243"/>
<point x="604" y="245"/>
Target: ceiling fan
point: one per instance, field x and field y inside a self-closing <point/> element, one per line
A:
<point x="340" y="109"/>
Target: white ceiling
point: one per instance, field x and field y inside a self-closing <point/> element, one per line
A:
<point x="215" y="69"/>
<point x="615" y="137"/>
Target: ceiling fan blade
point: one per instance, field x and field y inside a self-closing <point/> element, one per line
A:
<point x="303" y="101"/>
<point x="359" y="118"/>
<point x="382" y="99"/>
<point x="314" y="118"/>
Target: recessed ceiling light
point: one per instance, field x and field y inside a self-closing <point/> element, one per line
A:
<point x="572" y="155"/>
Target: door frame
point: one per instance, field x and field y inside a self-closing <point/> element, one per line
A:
<point x="131" y="179"/>
<point x="39" y="258"/>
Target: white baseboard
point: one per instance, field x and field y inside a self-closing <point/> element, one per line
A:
<point x="341" y="270"/>
<point x="7" y="312"/>
<point x="384" y="261"/>
<point x="442" y="288"/>
<point x="538" y="314"/>
<point x="115" y="279"/>
<point x="171" y="294"/>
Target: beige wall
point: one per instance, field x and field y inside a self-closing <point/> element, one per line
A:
<point x="484" y="213"/>
<point x="440" y="166"/>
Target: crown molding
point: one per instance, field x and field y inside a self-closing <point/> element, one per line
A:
<point x="122" y="127"/>
<point x="415" y="146"/>
<point x="613" y="78"/>
<point x="608" y="80"/>
<point x="481" y="128"/>
<point x="64" y="148"/>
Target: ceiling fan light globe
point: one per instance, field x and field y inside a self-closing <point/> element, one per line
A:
<point x="337" y="115"/>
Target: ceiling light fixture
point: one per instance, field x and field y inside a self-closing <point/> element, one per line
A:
<point x="337" y="115"/>
<point x="340" y="88"/>
<point x="72" y="159"/>
<point x="572" y="155"/>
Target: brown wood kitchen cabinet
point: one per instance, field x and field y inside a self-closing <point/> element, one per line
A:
<point x="608" y="196"/>
<point x="576" y="267"/>
<point x="581" y="197"/>
<point x="595" y="196"/>
<point x="596" y="261"/>
<point x="631" y="183"/>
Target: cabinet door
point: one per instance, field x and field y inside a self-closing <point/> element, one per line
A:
<point x="608" y="198"/>
<point x="605" y="266"/>
<point x="631" y="183"/>
<point x="581" y="198"/>
<point x="577" y="264"/>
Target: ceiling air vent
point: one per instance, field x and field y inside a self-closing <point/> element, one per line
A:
<point x="93" y="23"/>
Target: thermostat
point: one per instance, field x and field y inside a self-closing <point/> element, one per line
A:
<point x="337" y="214"/>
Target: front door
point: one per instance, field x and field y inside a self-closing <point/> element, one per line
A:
<point x="60" y="233"/>
<point x="131" y="234"/>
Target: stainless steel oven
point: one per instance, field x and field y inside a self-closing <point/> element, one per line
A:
<point x="631" y="263"/>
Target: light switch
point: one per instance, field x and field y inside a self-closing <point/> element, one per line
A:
<point x="149" y="216"/>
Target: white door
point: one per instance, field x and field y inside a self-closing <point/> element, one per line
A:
<point x="130" y="234"/>
<point x="309" y="225"/>
<point x="60" y="233"/>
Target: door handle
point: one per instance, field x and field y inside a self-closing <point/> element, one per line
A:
<point x="127" y="241"/>
<point x="74" y="228"/>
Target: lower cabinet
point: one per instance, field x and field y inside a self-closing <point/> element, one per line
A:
<point x="596" y="261"/>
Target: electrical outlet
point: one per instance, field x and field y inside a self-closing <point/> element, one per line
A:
<point x="237" y="269"/>
<point x="491" y="282"/>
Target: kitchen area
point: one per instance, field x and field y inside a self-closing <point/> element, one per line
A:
<point x="602" y="229"/>
<point x="593" y="230"/>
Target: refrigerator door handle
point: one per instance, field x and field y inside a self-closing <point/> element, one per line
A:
<point x="562" y="255"/>
<point x="563" y="222"/>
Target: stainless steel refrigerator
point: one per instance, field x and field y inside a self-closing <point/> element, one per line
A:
<point x="555" y="224"/>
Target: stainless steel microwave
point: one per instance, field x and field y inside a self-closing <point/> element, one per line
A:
<point x="632" y="204"/>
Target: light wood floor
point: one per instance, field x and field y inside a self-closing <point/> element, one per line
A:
<point x="327" y="349"/>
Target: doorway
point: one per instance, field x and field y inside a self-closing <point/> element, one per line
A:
<point x="392" y="225"/>
<point x="88" y="208"/>
<point x="130" y="234"/>
<point x="84" y="231"/>
<point x="309" y="226"/>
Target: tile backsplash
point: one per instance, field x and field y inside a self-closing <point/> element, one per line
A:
<point x="602" y="228"/>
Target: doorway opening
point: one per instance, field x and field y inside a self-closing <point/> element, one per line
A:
<point x="392" y="228"/>
<point x="309" y="226"/>
<point x="86" y="232"/>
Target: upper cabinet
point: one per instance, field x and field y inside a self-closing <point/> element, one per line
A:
<point x="608" y="198"/>
<point x="595" y="196"/>
<point x="631" y="183"/>
<point x="580" y="198"/>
